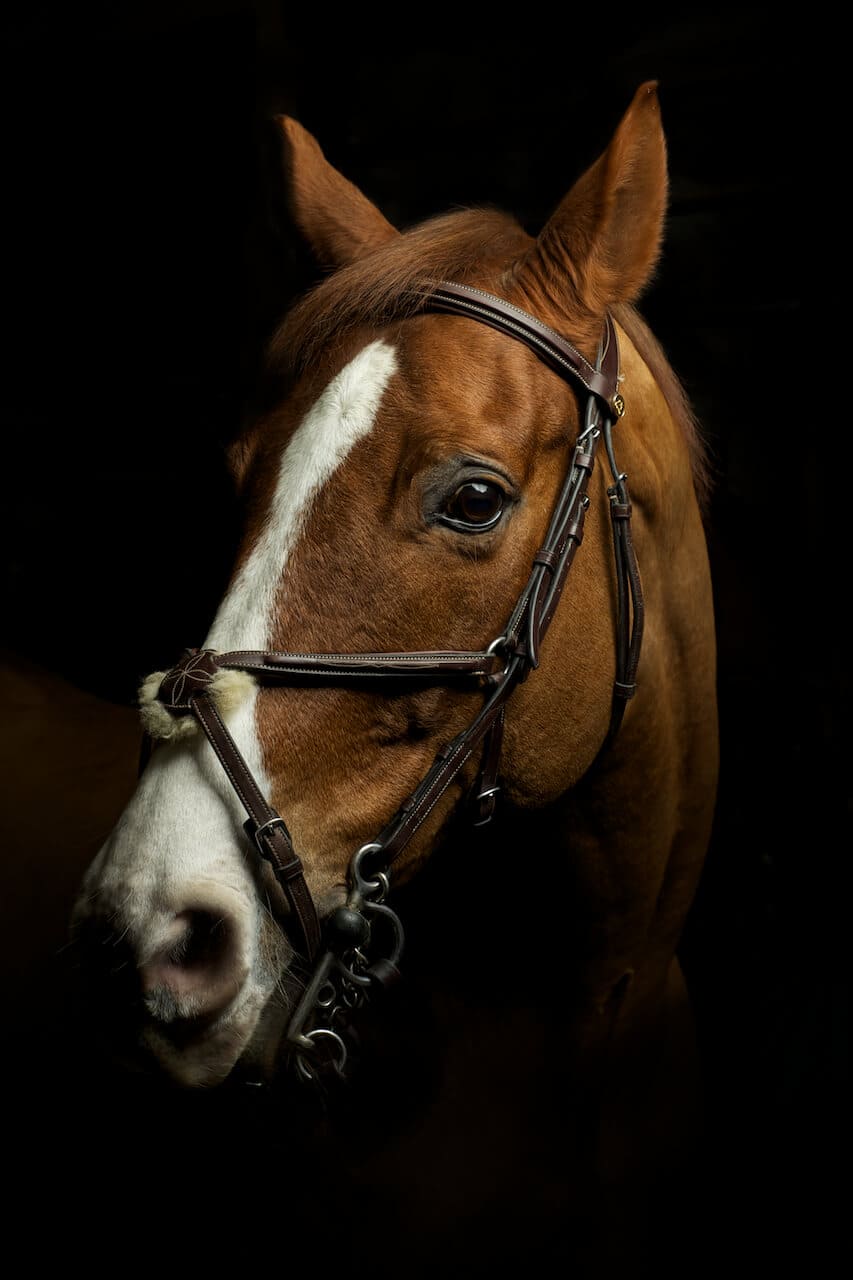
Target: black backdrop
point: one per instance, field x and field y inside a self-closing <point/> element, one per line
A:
<point x="141" y="271"/>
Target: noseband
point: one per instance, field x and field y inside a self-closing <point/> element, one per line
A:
<point x="362" y="942"/>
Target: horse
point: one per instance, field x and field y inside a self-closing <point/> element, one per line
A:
<point x="500" y="774"/>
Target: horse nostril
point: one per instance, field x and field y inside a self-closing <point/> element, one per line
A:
<point x="198" y="969"/>
<point x="203" y="940"/>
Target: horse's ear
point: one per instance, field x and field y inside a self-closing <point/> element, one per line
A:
<point x="338" y="221"/>
<point x="601" y="244"/>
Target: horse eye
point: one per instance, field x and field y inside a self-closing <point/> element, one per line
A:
<point x="476" y="505"/>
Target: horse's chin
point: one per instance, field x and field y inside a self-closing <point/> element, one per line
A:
<point x="203" y="1061"/>
<point x="263" y="1057"/>
<point x="249" y="1034"/>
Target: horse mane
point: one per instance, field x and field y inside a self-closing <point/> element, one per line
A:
<point x="390" y="282"/>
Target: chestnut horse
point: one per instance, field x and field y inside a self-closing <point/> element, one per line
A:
<point x="396" y="496"/>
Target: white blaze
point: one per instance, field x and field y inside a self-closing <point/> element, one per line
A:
<point x="180" y="835"/>
<point x="344" y="414"/>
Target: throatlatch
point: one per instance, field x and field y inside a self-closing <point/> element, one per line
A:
<point x="363" y="940"/>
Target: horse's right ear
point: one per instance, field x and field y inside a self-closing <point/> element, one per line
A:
<point x="338" y="221"/>
<point x="601" y="244"/>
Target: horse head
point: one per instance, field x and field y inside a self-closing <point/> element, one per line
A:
<point x="396" y="496"/>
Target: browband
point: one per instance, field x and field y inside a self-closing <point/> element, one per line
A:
<point x="550" y="346"/>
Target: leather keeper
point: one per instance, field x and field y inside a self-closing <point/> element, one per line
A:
<point x="575" y="530"/>
<point x="291" y="870"/>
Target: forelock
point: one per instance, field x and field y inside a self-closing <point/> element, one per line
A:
<point x="394" y="280"/>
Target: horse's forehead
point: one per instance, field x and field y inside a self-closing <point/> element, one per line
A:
<point x="461" y="386"/>
<point x="368" y="416"/>
<point x="457" y="357"/>
<point x="432" y="386"/>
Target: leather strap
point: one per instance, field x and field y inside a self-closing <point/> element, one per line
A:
<point x="448" y="763"/>
<point x="482" y="801"/>
<point x="550" y="346"/>
<point x="630" y="603"/>
<point x="427" y="665"/>
<point x="265" y="827"/>
<point x="537" y="603"/>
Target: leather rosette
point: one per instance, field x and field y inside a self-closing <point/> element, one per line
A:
<point x="192" y="675"/>
<point x="165" y="698"/>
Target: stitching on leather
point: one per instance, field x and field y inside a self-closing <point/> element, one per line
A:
<point x="424" y="655"/>
<point x="530" y="336"/>
<point x="211" y="707"/>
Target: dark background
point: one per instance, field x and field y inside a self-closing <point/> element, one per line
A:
<point x="141" y="270"/>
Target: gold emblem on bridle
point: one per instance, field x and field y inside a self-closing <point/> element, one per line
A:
<point x="618" y="404"/>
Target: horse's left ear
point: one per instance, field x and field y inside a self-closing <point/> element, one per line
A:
<point x="338" y="221"/>
<point x="601" y="245"/>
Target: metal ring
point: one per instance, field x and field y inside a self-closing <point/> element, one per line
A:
<point x="379" y="909"/>
<point x="304" y="1070"/>
<point x="489" y="791"/>
<point x="326" y="1001"/>
<point x="493" y="650"/>
<point x="331" y="1035"/>
<point x="384" y="884"/>
<point x="353" y="978"/>
<point x="355" y="867"/>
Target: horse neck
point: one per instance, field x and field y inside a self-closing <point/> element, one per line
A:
<point x="515" y="916"/>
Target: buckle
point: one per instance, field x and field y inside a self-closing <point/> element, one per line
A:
<point x="499" y="648"/>
<point x="284" y="871"/>
<point x="254" y="832"/>
<point x="484" y="803"/>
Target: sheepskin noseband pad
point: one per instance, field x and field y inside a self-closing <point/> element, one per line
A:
<point x="165" y="696"/>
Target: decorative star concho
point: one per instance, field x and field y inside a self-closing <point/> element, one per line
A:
<point x="190" y="677"/>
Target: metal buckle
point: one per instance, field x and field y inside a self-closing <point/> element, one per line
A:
<point x="272" y="822"/>
<point x="498" y="648"/>
<point x="490" y="795"/>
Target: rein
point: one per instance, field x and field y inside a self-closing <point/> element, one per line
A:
<point x="346" y="964"/>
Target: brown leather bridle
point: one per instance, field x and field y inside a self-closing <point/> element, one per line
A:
<point x="344" y="969"/>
